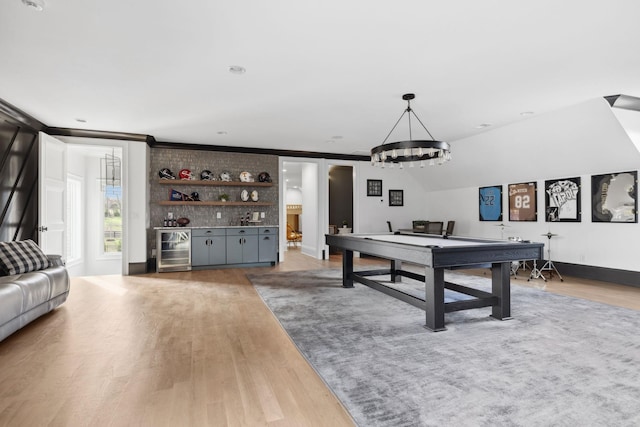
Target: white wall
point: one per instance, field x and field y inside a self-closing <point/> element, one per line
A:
<point x="293" y="196"/>
<point x="311" y="242"/>
<point x="587" y="140"/>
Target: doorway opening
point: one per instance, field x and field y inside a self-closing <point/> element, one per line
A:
<point x="95" y="210"/>
<point x="340" y="201"/>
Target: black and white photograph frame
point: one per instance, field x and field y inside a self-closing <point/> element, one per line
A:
<point x="396" y="197"/>
<point x="562" y="200"/>
<point x="490" y="203"/>
<point x="374" y="187"/>
<point x="614" y="197"/>
<point x="523" y="203"/>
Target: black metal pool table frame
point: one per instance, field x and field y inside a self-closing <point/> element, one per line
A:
<point x="435" y="257"/>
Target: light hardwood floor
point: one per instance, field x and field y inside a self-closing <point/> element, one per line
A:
<point x="182" y="349"/>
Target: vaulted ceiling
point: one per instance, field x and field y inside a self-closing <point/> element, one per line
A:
<point x="320" y="76"/>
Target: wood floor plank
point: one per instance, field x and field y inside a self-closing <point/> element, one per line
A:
<point x="189" y="348"/>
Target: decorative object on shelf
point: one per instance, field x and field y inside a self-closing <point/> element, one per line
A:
<point x="264" y="177"/>
<point x="244" y="196"/>
<point x="183" y="221"/>
<point x="345" y="223"/>
<point x="207" y="175"/>
<point x="254" y="196"/>
<point x="185" y="174"/>
<point x="490" y="199"/>
<point x="225" y="176"/>
<point x="223" y="197"/>
<point x="413" y="150"/>
<point x="193" y="197"/>
<point x="522" y="201"/>
<point x="374" y="187"/>
<point x="562" y="200"/>
<point x="176" y="196"/>
<point x="614" y="197"/>
<point x="246" y="177"/>
<point x="165" y="173"/>
<point x="396" y="197"/>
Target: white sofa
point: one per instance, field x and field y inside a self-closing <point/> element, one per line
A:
<point x="26" y="296"/>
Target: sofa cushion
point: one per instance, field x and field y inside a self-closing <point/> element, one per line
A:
<point x="21" y="257"/>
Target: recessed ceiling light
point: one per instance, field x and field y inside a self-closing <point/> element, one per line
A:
<point x="526" y="113"/>
<point x="34" y="4"/>
<point x="222" y="132"/>
<point x="284" y="170"/>
<point x="81" y="120"/>
<point x="237" y="69"/>
<point x="483" y="125"/>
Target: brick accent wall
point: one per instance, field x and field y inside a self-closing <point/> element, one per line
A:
<point x="216" y="162"/>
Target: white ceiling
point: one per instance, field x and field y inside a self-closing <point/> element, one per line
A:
<point x="320" y="76"/>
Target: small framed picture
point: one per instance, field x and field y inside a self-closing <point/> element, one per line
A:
<point x="374" y="187"/>
<point x="396" y="197"/>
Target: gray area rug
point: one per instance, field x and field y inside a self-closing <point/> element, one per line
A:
<point x="561" y="361"/>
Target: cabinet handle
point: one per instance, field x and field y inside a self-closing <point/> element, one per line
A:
<point x="241" y="231"/>
<point x="240" y="240"/>
<point x="244" y="241"/>
<point x="267" y="231"/>
<point x="266" y="238"/>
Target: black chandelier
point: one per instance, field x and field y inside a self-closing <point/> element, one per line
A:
<point x="421" y="151"/>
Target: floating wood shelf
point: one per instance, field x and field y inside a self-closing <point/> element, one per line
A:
<point x="187" y="203"/>
<point x="214" y="183"/>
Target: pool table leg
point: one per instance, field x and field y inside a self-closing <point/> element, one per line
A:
<point x="434" y="299"/>
<point x="347" y="268"/>
<point x="396" y="265"/>
<point x="501" y="288"/>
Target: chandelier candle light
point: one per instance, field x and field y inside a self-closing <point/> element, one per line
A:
<point x="413" y="150"/>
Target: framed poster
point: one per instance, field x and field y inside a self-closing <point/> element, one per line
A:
<point x="614" y="197"/>
<point x="490" y="199"/>
<point x="562" y="200"/>
<point x="374" y="187"/>
<point x="396" y="197"/>
<point x="522" y="202"/>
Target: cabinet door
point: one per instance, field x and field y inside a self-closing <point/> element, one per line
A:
<point x="199" y="251"/>
<point x="267" y="248"/>
<point x="218" y="250"/>
<point x="234" y="249"/>
<point x="250" y="248"/>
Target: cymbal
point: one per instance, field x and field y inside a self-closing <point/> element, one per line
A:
<point x="549" y="234"/>
<point x="501" y="225"/>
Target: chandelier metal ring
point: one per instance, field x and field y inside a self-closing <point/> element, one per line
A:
<point x="412" y="150"/>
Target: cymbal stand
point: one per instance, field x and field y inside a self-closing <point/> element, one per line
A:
<point x="536" y="273"/>
<point x="548" y="266"/>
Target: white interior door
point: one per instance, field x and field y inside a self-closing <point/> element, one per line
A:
<point x="52" y="189"/>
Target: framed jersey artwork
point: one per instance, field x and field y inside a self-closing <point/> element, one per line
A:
<point x="490" y="203"/>
<point x="562" y="200"/>
<point x="614" y="197"/>
<point x="522" y="202"/>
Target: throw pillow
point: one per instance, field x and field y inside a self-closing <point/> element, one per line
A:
<point x="21" y="257"/>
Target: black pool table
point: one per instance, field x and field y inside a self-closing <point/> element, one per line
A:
<point x="436" y="253"/>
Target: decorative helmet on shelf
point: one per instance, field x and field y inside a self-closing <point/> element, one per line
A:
<point x="264" y="177"/>
<point x="165" y="173"/>
<point x="195" y="196"/>
<point x="225" y="176"/>
<point x="185" y="174"/>
<point x="207" y="175"/>
<point x="246" y="176"/>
